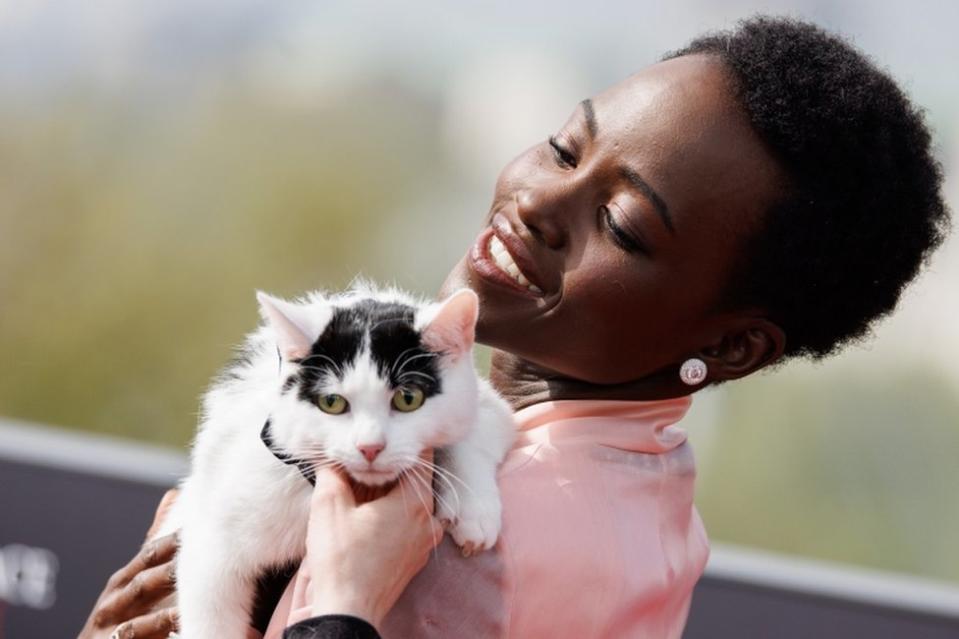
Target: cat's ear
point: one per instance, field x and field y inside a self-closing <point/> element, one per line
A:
<point x="295" y="325"/>
<point x="450" y="326"/>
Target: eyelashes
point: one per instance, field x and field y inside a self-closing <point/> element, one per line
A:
<point x="562" y="155"/>
<point x="625" y="240"/>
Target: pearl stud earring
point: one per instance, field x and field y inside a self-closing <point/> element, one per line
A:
<point x="693" y="371"/>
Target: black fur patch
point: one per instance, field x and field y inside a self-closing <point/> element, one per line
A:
<point x="306" y="469"/>
<point x="395" y="346"/>
<point x="290" y="382"/>
<point x="269" y="589"/>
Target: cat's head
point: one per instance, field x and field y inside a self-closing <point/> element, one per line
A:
<point x="369" y="381"/>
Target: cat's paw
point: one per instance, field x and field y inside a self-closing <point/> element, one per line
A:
<point x="476" y="526"/>
<point x="446" y="508"/>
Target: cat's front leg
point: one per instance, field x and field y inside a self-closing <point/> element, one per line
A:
<point x="468" y="500"/>
<point x="214" y="590"/>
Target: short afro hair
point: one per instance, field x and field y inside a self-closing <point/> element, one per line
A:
<point x="863" y="209"/>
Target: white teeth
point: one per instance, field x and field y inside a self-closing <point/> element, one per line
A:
<point x="505" y="262"/>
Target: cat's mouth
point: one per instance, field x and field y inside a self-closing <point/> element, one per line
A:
<point x="370" y="477"/>
<point x="365" y="491"/>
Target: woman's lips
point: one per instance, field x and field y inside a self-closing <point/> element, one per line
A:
<point x="518" y="251"/>
<point x="493" y="259"/>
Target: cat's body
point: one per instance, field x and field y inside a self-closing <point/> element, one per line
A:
<point x="365" y="380"/>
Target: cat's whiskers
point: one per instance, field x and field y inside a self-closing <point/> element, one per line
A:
<point x="406" y="362"/>
<point x="443" y="472"/>
<point x="417" y="477"/>
<point x="413" y="477"/>
<point x="314" y="463"/>
<point x="399" y="358"/>
<point x="426" y="376"/>
<point x="323" y="358"/>
<point x="442" y="500"/>
<point x="444" y="476"/>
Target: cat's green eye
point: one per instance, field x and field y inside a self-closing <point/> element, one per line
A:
<point x="332" y="404"/>
<point x="407" y="399"/>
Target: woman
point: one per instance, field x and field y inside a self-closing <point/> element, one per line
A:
<point x="760" y="195"/>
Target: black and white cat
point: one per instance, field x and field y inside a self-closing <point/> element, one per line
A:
<point x="365" y="380"/>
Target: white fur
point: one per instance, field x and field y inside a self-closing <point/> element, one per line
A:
<point x="242" y="511"/>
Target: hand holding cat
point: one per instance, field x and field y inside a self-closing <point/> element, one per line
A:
<point x="364" y="553"/>
<point x="126" y="606"/>
<point x="360" y="557"/>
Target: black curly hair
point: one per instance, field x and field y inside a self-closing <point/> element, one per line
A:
<point x="863" y="210"/>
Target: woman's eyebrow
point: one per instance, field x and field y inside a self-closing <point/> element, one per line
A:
<point x="641" y="185"/>
<point x="587" y="105"/>
<point x="631" y="176"/>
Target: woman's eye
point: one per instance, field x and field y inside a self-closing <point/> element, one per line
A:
<point x="333" y="404"/>
<point x="563" y="156"/>
<point x="407" y="400"/>
<point x="626" y="241"/>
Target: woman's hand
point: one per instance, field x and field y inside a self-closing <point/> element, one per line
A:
<point x="360" y="557"/>
<point x="126" y="608"/>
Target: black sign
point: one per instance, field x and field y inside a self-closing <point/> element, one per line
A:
<point x="73" y="510"/>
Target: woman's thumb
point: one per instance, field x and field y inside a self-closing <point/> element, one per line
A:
<point x="332" y="486"/>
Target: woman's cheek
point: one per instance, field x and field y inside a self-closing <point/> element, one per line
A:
<point x="520" y="172"/>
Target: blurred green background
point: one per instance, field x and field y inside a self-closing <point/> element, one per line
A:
<point x="159" y="161"/>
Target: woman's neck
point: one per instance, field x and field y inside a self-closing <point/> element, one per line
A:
<point x="523" y="384"/>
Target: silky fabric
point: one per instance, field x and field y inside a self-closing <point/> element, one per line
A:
<point x="600" y="536"/>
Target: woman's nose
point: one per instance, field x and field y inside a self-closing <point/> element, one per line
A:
<point x="542" y="210"/>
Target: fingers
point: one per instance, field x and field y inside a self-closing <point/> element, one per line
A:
<point x="156" y="625"/>
<point x="437" y="530"/>
<point x="156" y="552"/>
<point x="169" y="497"/>
<point x="427" y="456"/>
<point x="417" y="482"/>
<point x="424" y="469"/>
<point x="141" y="593"/>
<point x="332" y="486"/>
<point x="424" y="477"/>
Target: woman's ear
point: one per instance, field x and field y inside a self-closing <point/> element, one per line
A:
<point x="753" y="344"/>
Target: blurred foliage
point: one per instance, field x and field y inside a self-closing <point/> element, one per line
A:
<point x="133" y="237"/>
<point x="852" y="468"/>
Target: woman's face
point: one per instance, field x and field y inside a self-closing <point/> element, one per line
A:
<point x="623" y="228"/>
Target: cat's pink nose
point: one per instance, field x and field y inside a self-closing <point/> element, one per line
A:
<point x="370" y="451"/>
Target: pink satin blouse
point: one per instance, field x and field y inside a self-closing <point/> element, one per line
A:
<point x="600" y="536"/>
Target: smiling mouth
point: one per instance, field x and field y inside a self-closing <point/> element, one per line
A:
<point x="505" y="263"/>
